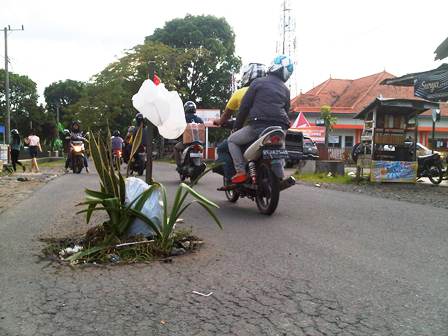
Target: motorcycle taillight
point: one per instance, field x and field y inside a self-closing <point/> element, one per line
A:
<point x="274" y="139"/>
<point x="198" y="148"/>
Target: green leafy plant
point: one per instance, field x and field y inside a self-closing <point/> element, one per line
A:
<point x="111" y="199"/>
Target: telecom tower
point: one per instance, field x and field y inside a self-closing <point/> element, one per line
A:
<point x="286" y="44"/>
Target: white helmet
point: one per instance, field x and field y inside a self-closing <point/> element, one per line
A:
<point x="252" y="71"/>
<point x="282" y="66"/>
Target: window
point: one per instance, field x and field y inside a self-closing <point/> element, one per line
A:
<point x="349" y="141"/>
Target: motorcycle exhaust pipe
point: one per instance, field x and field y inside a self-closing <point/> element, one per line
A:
<point x="227" y="187"/>
<point x="286" y="183"/>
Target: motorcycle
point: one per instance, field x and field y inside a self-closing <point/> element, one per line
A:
<point x="117" y="157"/>
<point x="77" y="150"/>
<point x="138" y="161"/>
<point x="430" y="166"/>
<point x="262" y="186"/>
<point x="192" y="164"/>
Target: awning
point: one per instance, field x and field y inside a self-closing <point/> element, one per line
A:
<point x="442" y="50"/>
<point x="430" y="85"/>
<point x="407" y="107"/>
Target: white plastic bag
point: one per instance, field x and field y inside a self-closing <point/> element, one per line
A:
<point x="153" y="207"/>
<point x="161" y="107"/>
<point x="174" y="126"/>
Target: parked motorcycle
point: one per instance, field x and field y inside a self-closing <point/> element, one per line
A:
<point x="77" y="155"/>
<point x="192" y="163"/>
<point x="262" y="186"/>
<point x="430" y="166"/>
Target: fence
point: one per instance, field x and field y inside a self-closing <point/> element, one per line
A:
<point x="342" y="154"/>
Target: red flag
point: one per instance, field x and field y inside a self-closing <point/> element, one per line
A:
<point x="156" y="80"/>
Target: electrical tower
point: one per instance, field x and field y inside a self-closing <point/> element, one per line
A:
<point x="286" y="44"/>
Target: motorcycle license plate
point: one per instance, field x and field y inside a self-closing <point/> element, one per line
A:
<point x="275" y="154"/>
<point x="195" y="155"/>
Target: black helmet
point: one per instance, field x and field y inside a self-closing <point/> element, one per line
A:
<point x="190" y="107"/>
<point x="116" y="133"/>
<point x="76" y="122"/>
<point x="139" y="118"/>
<point x="14" y="131"/>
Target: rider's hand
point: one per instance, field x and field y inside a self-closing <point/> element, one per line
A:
<point x="217" y="122"/>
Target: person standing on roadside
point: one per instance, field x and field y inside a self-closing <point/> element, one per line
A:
<point x="15" y="146"/>
<point x="33" y="142"/>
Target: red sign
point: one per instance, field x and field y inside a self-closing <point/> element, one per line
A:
<point x="316" y="133"/>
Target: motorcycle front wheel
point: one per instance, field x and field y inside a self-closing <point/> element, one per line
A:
<point x="78" y="164"/>
<point x="268" y="192"/>
<point x="232" y="195"/>
<point x="435" y="174"/>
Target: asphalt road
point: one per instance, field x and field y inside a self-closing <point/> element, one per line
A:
<point x="326" y="263"/>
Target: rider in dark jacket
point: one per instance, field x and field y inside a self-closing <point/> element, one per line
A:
<point x="190" y="117"/>
<point x="266" y="103"/>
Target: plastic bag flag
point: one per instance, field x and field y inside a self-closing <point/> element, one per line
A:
<point x="161" y="107"/>
<point x="156" y="80"/>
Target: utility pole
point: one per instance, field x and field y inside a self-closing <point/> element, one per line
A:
<point x="8" y="115"/>
<point x="149" y="131"/>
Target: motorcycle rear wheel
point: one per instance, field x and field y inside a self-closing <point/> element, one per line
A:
<point x="268" y="192"/>
<point x="435" y="174"/>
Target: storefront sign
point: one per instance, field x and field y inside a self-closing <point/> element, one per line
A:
<point x="432" y="86"/>
<point x="393" y="171"/>
<point x="333" y="139"/>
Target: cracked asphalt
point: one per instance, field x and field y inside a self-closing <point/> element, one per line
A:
<point x="327" y="263"/>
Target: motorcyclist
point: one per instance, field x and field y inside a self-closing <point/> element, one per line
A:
<point x="117" y="141"/>
<point x="76" y="134"/>
<point x="190" y="117"/>
<point x="250" y="72"/>
<point x="266" y="103"/>
<point x="127" y="146"/>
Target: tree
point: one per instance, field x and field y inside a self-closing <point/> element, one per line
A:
<point x="63" y="94"/>
<point x="329" y="120"/>
<point x="208" y="43"/>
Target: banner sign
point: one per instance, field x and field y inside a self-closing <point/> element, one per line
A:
<point x="393" y="171"/>
<point x="432" y="87"/>
<point x="316" y="133"/>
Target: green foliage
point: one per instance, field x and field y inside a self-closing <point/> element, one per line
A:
<point x="111" y="199"/>
<point x="24" y="107"/>
<point x="63" y="94"/>
<point x="208" y="44"/>
<point x="329" y="119"/>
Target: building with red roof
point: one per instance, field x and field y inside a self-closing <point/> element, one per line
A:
<point x="347" y="97"/>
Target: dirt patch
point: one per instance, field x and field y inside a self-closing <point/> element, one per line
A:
<point x="19" y="186"/>
<point x="419" y="193"/>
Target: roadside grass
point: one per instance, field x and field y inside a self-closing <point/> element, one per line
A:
<point x="324" y="178"/>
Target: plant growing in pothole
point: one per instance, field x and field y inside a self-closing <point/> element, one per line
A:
<point x="108" y="240"/>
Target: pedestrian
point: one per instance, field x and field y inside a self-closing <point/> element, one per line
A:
<point x="15" y="146"/>
<point x="33" y="142"/>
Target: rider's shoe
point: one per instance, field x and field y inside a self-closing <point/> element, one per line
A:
<point x="87" y="170"/>
<point x="240" y="177"/>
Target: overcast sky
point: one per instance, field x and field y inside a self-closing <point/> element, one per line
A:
<point x="344" y="39"/>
